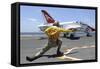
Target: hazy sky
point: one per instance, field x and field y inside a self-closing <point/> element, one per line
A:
<point x="31" y="16"/>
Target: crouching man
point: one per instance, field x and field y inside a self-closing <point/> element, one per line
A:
<point x="53" y="33"/>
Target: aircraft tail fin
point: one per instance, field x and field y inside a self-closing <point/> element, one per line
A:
<point x="88" y="26"/>
<point x="91" y="28"/>
<point x="48" y="18"/>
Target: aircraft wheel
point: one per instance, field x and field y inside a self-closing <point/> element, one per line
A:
<point x="64" y="35"/>
<point x="88" y="35"/>
<point x="72" y="36"/>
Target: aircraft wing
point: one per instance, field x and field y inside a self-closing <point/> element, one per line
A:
<point x="70" y="25"/>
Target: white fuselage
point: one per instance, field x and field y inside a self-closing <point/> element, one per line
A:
<point x="81" y="28"/>
<point x="65" y="25"/>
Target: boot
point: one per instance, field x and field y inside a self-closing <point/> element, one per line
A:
<point x="32" y="58"/>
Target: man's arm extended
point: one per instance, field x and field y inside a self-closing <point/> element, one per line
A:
<point x="64" y="30"/>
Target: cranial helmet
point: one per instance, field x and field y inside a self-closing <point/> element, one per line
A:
<point x="56" y="23"/>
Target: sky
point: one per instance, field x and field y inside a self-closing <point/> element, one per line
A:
<point x="31" y="16"/>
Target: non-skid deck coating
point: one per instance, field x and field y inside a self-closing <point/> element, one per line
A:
<point x="82" y="49"/>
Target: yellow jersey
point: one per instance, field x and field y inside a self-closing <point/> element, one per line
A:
<point x="53" y="32"/>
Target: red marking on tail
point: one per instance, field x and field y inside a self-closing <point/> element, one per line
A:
<point x="49" y="19"/>
<point x="91" y="28"/>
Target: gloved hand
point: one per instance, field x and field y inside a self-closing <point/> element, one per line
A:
<point x="73" y="29"/>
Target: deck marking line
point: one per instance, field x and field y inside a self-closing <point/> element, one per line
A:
<point x="67" y="57"/>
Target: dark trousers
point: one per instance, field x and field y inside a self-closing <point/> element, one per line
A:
<point x="51" y="44"/>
